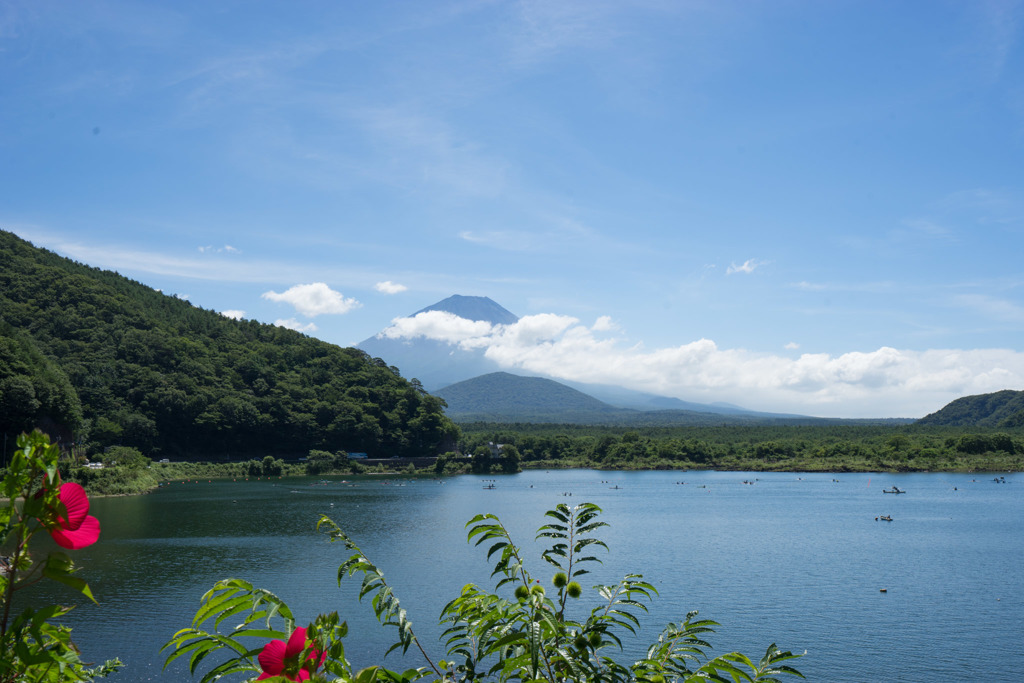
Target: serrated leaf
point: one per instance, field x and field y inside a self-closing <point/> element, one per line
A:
<point x="70" y="581"/>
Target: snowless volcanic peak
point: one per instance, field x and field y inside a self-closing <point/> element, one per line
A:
<point x="473" y="308"/>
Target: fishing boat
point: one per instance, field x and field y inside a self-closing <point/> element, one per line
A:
<point x="893" y="490"/>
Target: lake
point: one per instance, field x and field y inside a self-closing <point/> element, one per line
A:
<point x="796" y="559"/>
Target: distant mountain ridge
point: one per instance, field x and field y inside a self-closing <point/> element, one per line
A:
<point x="504" y="397"/>
<point x="620" y="397"/>
<point x="1001" y="409"/>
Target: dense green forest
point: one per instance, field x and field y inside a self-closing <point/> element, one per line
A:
<point x="99" y="360"/>
<point x="1001" y="410"/>
<point x="825" y="448"/>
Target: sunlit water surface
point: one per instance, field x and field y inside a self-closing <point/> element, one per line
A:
<point x="796" y="559"/>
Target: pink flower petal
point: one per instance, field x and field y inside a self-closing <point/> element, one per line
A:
<point x="87" y="533"/>
<point x="272" y="659"/>
<point x="72" y="497"/>
<point x="296" y="643"/>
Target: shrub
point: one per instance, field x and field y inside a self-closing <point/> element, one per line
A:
<point x="34" y="646"/>
<point x="125" y="456"/>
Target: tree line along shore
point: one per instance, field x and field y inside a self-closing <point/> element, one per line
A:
<point x="495" y="448"/>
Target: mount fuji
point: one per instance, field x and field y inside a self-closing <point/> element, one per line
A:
<point x="434" y="363"/>
<point x="438" y="364"/>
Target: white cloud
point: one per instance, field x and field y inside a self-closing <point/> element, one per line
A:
<point x="747" y="266"/>
<point x="219" y="250"/>
<point x="439" y="325"/>
<point x="233" y="313"/>
<point x="792" y="346"/>
<point x="604" y="324"/>
<point x="886" y="382"/>
<point x="298" y="326"/>
<point x="314" y="299"/>
<point x="389" y="287"/>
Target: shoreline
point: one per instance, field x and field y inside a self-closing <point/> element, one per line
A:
<point x="541" y="465"/>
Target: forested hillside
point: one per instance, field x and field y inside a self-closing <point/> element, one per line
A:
<point x="500" y="396"/>
<point x="1002" y="409"/>
<point x="102" y="359"/>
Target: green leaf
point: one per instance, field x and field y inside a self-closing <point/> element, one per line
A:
<point x="68" y="580"/>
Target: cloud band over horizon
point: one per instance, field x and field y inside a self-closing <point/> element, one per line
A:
<point x="885" y="382"/>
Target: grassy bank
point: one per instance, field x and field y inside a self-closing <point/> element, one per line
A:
<point x="121" y="480"/>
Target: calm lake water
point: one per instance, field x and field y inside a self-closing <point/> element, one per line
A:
<point x="796" y="559"/>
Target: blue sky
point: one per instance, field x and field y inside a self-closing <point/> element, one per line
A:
<point x="812" y="207"/>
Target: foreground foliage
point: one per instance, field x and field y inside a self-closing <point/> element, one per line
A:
<point x="33" y="645"/>
<point x="517" y="632"/>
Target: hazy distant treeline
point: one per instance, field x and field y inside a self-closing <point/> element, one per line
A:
<point x="806" y="448"/>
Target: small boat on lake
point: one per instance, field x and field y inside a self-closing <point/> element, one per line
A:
<point x="893" y="490"/>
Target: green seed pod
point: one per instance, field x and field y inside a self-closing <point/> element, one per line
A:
<point x="580" y="642"/>
<point x="560" y="579"/>
<point x="537" y="590"/>
<point x="574" y="589"/>
<point x="522" y="592"/>
<point x="595" y="640"/>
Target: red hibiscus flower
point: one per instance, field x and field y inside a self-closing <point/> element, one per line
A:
<point x="77" y="529"/>
<point x="282" y="659"/>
